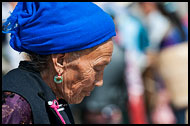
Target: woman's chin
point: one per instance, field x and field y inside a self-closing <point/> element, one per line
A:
<point x="77" y="100"/>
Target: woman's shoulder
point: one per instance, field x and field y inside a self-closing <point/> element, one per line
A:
<point x="14" y="73"/>
<point x="19" y="75"/>
<point x="15" y="109"/>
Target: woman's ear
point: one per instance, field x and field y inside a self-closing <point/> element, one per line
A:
<point x="58" y="62"/>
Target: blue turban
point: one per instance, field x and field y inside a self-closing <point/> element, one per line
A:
<point x="57" y="27"/>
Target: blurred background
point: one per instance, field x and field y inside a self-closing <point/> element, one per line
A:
<point x="147" y="79"/>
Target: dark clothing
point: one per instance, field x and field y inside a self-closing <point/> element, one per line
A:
<point x="27" y="82"/>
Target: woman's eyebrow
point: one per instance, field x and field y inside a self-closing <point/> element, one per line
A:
<point x="103" y="58"/>
<point x="103" y="62"/>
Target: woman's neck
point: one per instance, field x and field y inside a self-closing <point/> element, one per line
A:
<point x="48" y="77"/>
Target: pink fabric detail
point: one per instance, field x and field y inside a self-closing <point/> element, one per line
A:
<point x="55" y="107"/>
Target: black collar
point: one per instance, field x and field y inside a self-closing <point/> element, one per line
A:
<point x="29" y="66"/>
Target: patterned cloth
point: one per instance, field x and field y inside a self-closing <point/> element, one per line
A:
<point x="15" y="109"/>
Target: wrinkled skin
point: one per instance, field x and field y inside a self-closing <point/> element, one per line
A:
<point x="81" y="71"/>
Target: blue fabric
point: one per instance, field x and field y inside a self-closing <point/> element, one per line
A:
<point x="58" y="27"/>
<point x="174" y="37"/>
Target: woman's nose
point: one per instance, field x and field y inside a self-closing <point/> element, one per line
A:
<point x="99" y="79"/>
<point x="99" y="83"/>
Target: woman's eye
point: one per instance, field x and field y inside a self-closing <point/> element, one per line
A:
<point x="99" y="67"/>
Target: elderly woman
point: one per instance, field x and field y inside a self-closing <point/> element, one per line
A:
<point x="69" y="45"/>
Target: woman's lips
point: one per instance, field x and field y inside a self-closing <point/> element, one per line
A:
<point x="87" y="93"/>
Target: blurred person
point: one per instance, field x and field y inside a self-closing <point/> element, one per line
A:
<point x="134" y="39"/>
<point x="179" y="31"/>
<point x="156" y="98"/>
<point x="65" y="64"/>
<point x="165" y="29"/>
<point x="164" y="25"/>
<point x="172" y="65"/>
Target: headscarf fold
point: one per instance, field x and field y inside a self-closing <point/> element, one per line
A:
<point x="57" y="27"/>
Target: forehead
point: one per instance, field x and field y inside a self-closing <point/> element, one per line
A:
<point x="104" y="49"/>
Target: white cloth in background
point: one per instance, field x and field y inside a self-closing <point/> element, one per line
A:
<point x="158" y="26"/>
<point x="10" y="54"/>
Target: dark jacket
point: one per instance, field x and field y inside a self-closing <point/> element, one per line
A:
<point x="27" y="82"/>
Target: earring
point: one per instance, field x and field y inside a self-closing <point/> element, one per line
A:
<point x="58" y="79"/>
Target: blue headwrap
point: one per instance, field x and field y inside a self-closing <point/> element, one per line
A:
<point x="57" y="27"/>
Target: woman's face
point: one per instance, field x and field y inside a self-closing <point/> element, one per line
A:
<point x="83" y="71"/>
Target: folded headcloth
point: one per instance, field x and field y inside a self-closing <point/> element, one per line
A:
<point x="57" y="27"/>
